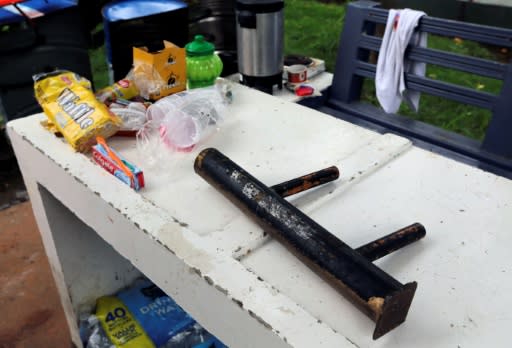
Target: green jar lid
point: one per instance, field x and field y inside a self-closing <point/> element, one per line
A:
<point x="199" y="47"/>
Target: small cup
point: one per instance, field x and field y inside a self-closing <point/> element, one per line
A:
<point x="297" y="73"/>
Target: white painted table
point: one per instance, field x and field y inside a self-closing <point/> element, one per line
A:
<point x="193" y="243"/>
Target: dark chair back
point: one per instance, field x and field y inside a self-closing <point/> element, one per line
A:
<point x="353" y="66"/>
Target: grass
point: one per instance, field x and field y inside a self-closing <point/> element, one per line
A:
<point x="313" y="29"/>
<point x="99" y="67"/>
<point x="460" y="118"/>
<point x="99" y="63"/>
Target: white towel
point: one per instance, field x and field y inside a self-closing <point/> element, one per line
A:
<point x="389" y="79"/>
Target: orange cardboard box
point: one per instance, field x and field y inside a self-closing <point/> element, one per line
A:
<point x="166" y="67"/>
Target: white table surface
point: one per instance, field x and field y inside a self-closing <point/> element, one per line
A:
<point x="246" y="288"/>
<point x="320" y="82"/>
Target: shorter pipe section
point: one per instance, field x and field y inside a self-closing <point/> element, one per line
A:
<point x="392" y="242"/>
<point x="306" y="182"/>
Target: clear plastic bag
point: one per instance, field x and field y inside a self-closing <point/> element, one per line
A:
<point x="133" y="115"/>
<point x="147" y="79"/>
<point x="179" y="122"/>
<point x="195" y="336"/>
<point x="185" y="119"/>
<point x="92" y="334"/>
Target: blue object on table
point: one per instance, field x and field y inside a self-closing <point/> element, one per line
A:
<point x="9" y="14"/>
<point x="123" y="10"/>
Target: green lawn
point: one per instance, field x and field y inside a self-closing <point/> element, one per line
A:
<point x="99" y="67"/>
<point x="463" y="119"/>
<point x="313" y="29"/>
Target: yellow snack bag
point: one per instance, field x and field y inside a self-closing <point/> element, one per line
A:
<point x="69" y="103"/>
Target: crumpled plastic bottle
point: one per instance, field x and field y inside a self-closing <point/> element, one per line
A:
<point x="196" y="337"/>
<point x="177" y="123"/>
<point x="92" y="334"/>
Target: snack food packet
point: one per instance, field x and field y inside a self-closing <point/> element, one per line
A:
<point x="69" y="103"/>
<point x="124" y="89"/>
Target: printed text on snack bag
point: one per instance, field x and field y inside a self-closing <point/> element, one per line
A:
<point x="78" y="112"/>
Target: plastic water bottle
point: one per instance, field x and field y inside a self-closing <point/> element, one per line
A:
<point x="186" y="118"/>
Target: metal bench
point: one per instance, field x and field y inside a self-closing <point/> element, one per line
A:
<point x="353" y="65"/>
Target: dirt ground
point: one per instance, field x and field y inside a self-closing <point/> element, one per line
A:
<point x="32" y="316"/>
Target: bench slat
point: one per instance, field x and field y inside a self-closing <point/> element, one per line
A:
<point x="438" y="88"/>
<point x="424" y="135"/>
<point x="447" y="23"/>
<point x="444" y="27"/>
<point x="469" y="64"/>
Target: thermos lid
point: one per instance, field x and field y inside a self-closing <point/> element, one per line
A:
<point x="259" y="6"/>
<point x="199" y="47"/>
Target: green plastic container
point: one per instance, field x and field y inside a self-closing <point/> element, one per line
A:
<point x="203" y="65"/>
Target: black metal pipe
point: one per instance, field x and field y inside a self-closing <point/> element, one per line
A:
<point x="306" y="182"/>
<point x="392" y="242"/>
<point x="377" y="294"/>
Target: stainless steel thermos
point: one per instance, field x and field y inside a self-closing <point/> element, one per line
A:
<point x="260" y="42"/>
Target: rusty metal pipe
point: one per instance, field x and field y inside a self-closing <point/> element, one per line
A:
<point x="306" y="182"/>
<point x="392" y="242"/>
<point x="384" y="299"/>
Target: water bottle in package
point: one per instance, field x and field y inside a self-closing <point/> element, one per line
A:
<point x="143" y="316"/>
